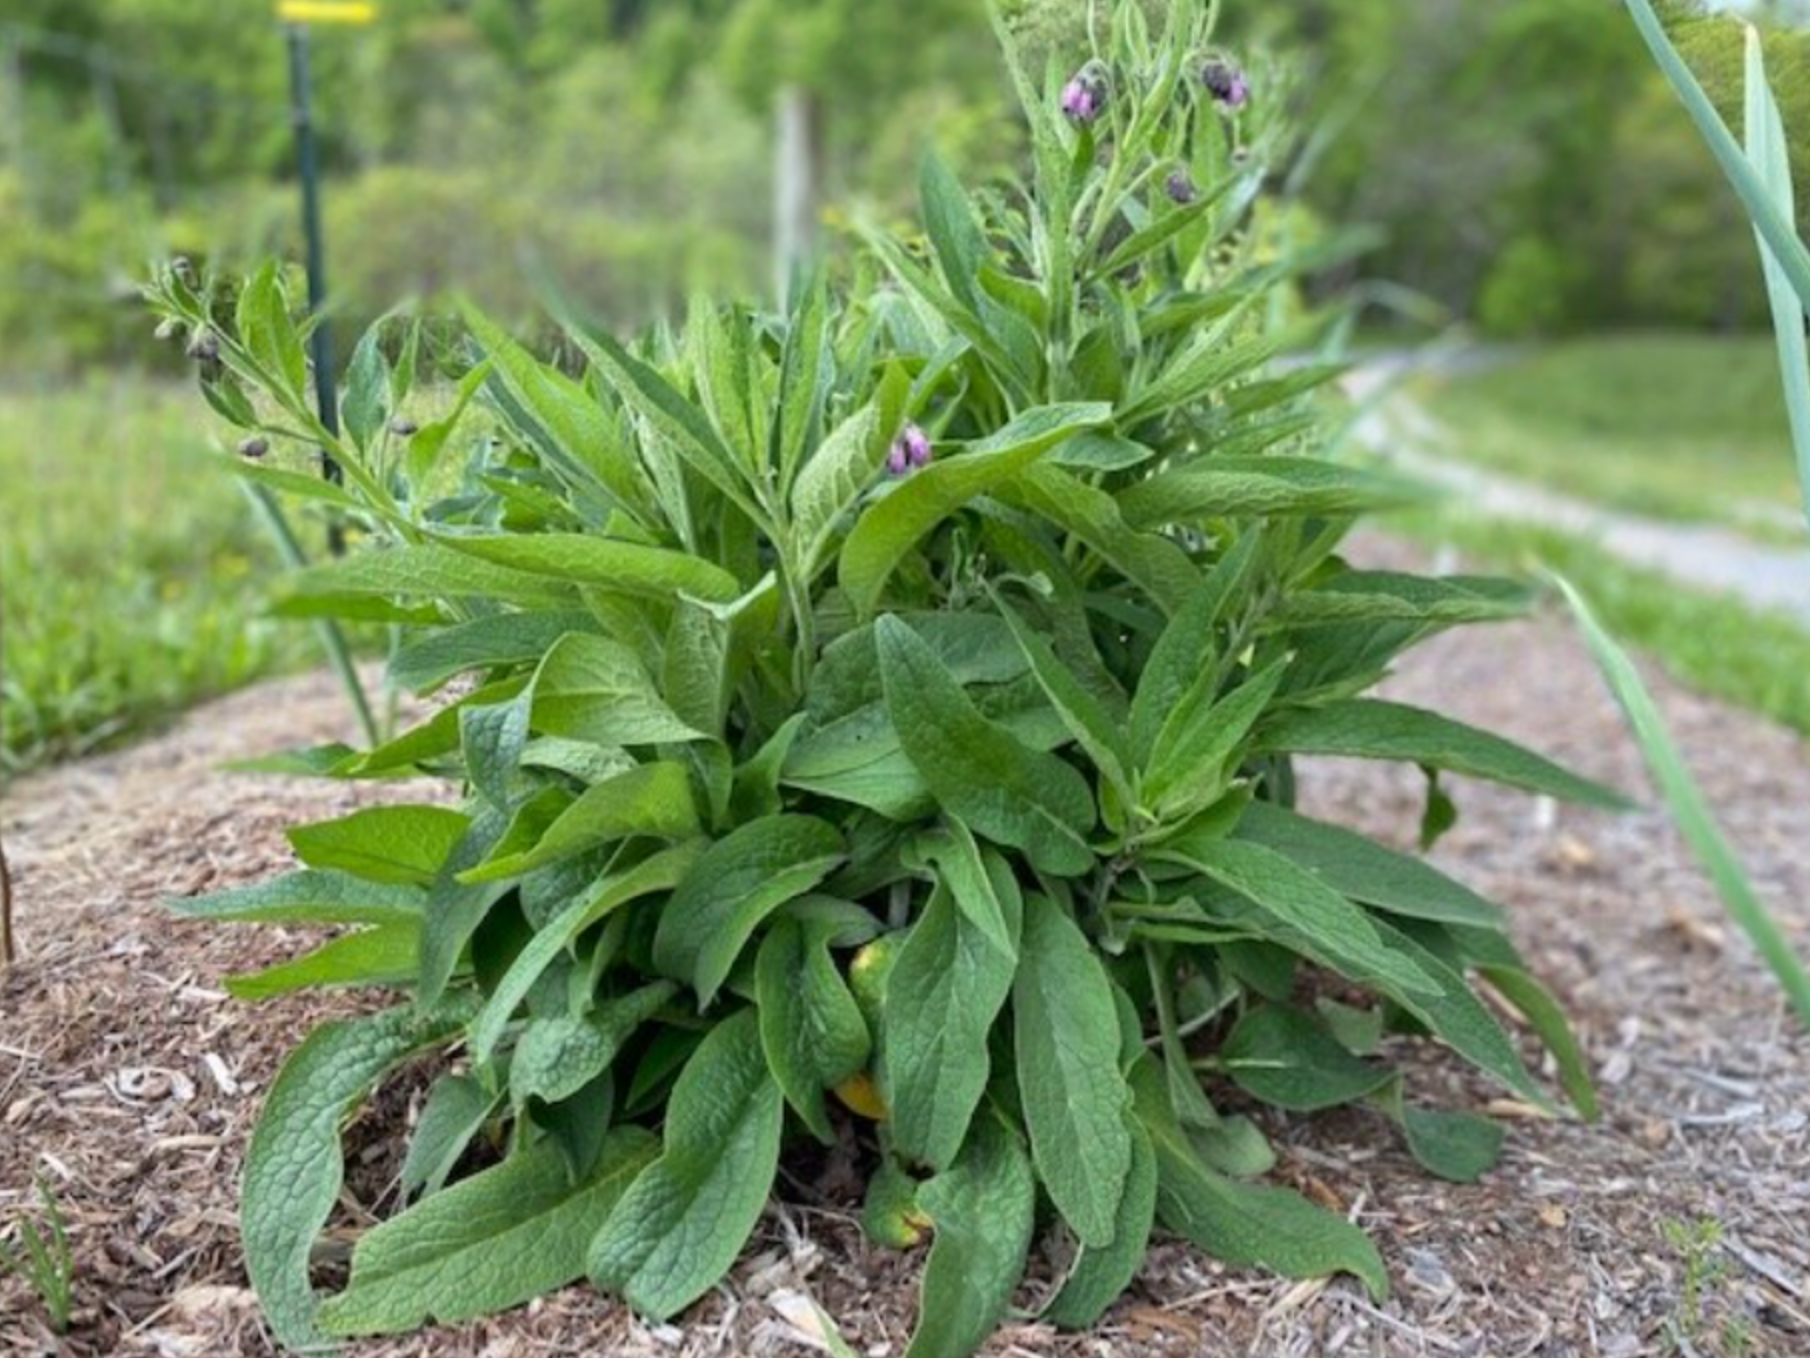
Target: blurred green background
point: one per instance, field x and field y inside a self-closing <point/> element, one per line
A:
<point x="1529" y="173"/>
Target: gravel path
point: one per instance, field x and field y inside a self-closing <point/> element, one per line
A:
<point x="1704" y="556"/>
<point x="129" y="1081"/>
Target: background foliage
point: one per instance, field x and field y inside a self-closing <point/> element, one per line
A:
<point x="626" y="146"/>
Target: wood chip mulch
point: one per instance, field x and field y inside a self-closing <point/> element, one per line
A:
<point x="129" y="1081"/>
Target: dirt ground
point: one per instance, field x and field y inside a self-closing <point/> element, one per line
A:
<point x="129" y="1081"/>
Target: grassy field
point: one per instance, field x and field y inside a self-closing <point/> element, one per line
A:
<point x="130" y="569"/>
<point x="1716" y="645"/>
<point x="1675" y="426"/>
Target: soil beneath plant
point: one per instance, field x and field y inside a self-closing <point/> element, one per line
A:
<point x="129" y="1081"/>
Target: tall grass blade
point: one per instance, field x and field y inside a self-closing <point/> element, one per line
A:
<point x="1688" y="807"/>
<point x="1766" y="148"/>
<point x="1774" y="227"/>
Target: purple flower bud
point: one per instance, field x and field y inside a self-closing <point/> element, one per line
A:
<point x="254" y="447"/>
<point x="204" y="347"/>
<point x="909" y="451"/>
<point x="1180" y="188"/>
<point x="1226" y="83"/>
<point x="917" y="445"/>
<point x="1084" y="97"/>
<point x="404" y="428"/>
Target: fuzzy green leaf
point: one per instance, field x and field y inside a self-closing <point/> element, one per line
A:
<point x="294" y="1166"/>
<point x="652" y="800"/>
<point x="982" y="1207"/>
<point x="306" y="897"/>
<point x="1102" y="1273"/>
<point x="681" y="1224"/>
<point x="388" y="844"/>
<point x="494" y="1241"/>
<point x="1368" y="728"/>
<point x="980" y="772"/>
<point x="944" y="991"/>
<point x="736" y="884"/>
<point x="1262" y="487"/>
<point x="810" y="1026"/>
<point x="602" y="563"/>
<point x="1358" y="867"/>
<point x="1067" y="1039"/>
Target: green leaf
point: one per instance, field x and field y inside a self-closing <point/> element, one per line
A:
<point x="456" y="1110"/>
<point x="1368" y="728"/>
<point x="390" y="844"/>
<point x="493" y="737"/>
<point x="980" y="772"/>
<point x="1149" y="560"/>
<point x="737" y="883"/>
<point x="1770" y="156"/>
<point x="806" y="365"/>
<point x="1247" y="1224"/>
<point x="676" y="420"/>
<point x="363" y="409"/>
<point x="894" y="525"/>
<point x="496" y="1240"/>
<point x="1459" y="1019"/>
<point x="595" y="689"/>
<point x="294" y="1167"/>
<point x="601" y="563"/>
<point x="433" y="571"/>
<point x="1262" y="487"/>
<point x="981" y="881"/>
<point x="654" y="800"/>
<point x="268" y="331"/>
<point x="1460" y="1147"/>
<point x="386" y="955"/>
<point x="983" y="1208"/>
<point x="810" y="1026"/>
<point x="833" y="480"/>
<point x="1281" y="1056"/>
<point x="1188" y="646"/>
<point x="557" y="1056"/>
<point x="306" y="897"/>
<point x="1332" y="930"/>
<point x="945" y="989"/>
<point x="661" y="872"/>
<point x="1085" y="716"/>
<point x="681" y="1224"/>
<point x="1200" y="747"/>
<point x="1067" y="1038"/>
<point x="575" y="429"/>
<point x="1357" y="867"/>
<point x="455" y="909"/>
<point x="1100" y="1274"/>
<point x="1542" y="1012"/>
<point x="954" y="234"/>
<point x="1689" y="809"/>
<point x="424" y="664"/>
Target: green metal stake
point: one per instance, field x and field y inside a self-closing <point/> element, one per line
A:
<point x="307" y="164"/>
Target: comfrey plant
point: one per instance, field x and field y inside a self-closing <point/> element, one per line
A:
<point x="877" y="725"/>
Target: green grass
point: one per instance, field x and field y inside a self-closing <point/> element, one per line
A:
<point x="1683" y="427"/>
<point x="1708" y="642"/>
<point x="130" y="568"/>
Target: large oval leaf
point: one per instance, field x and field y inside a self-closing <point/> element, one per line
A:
<point x="681" y="1224"/>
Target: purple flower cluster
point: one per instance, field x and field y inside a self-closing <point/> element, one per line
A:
<point x="1180" y="188"/>
<point x="909" y="451"/>
<point x="1226" y="83"/>
<point x="1084" y="97"/>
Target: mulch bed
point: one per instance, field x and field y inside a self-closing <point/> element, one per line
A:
<point x="129" y="1081"/>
